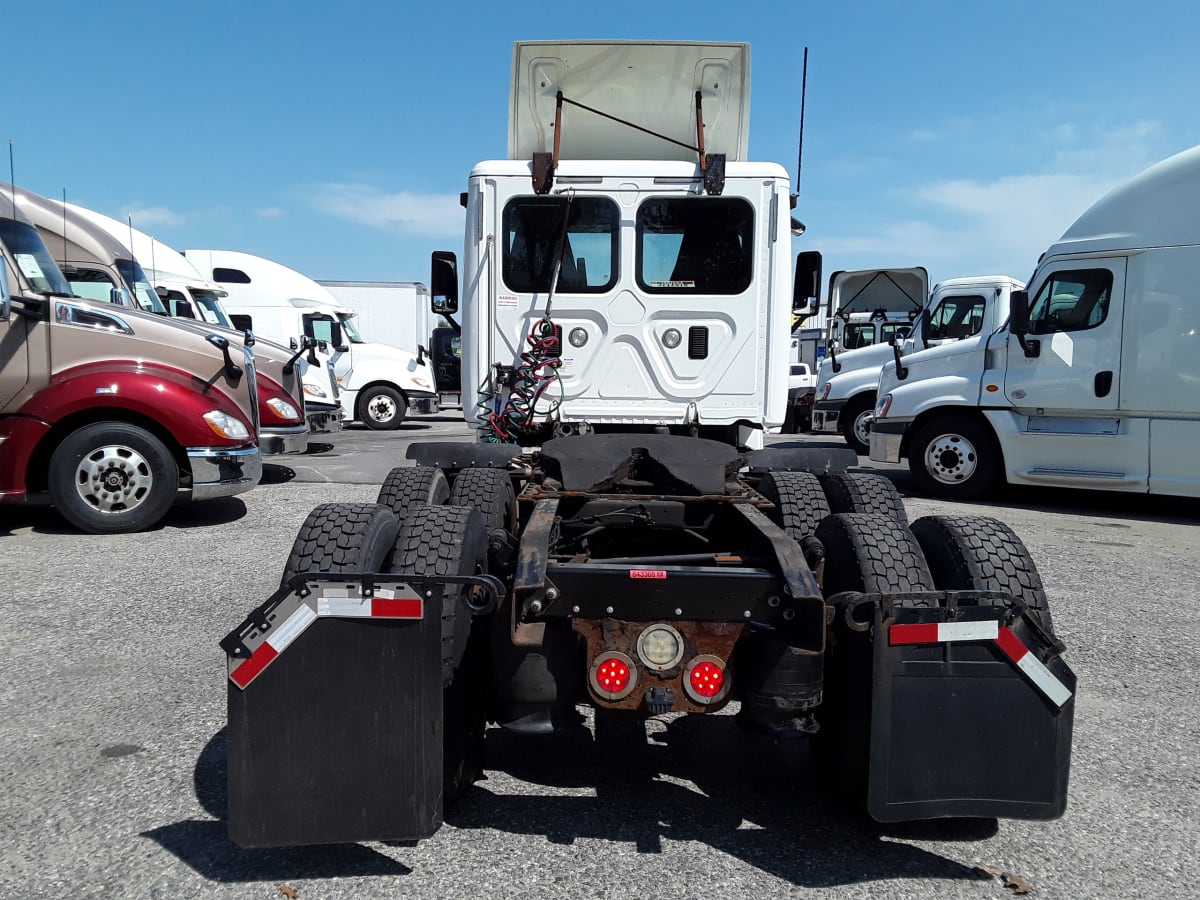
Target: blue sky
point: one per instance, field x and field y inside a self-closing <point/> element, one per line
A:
<point x="335" y="137"/>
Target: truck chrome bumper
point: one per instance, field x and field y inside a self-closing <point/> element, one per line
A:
<point x="223" y="473"/>
<point x="422" y="404"/>
<point x="825" y="415"/>
<point x="886" y="437"/>
<point x="283" y="440"/>
<point x="323" y="417"/>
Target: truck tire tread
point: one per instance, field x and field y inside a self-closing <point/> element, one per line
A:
<point x="451" y="540"/>
<point x="342" y="537"/>
<point x="871" y="553"/>
<point x="800" y="503"/>
<point x="407" y="487"/>
<point x="859" y="492"/>
<point x="491" y="492"/>
<point x="982" y="554"/>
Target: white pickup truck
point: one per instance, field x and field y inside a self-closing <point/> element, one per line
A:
<point x="802" y="388"/>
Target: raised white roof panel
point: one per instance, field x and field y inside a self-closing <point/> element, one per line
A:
<point x="649" y="83"/>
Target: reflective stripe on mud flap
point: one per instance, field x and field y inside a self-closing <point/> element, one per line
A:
<point x="400" y="602"/>
<point x="1010" y="645"/>
<point x="1032" y="667"/>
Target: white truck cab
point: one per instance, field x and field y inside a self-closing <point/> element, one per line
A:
<point x="958" y="309"/>
<point x="611" y="282"/>
<point x="377" y="384"/>
<point x="1093" y="381"/>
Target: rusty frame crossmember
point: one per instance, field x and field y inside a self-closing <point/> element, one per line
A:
<point x="712" y="165"/>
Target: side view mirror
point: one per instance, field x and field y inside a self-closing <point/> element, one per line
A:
<point x="117" y="296"/>
<point x="338" y="340"/>
<point x="241" y="322"/>
<point x="421" y="352"/>
<point x="183" y="310"/>
<point x="1018" y="323"/>
<point x="443" y="282"/>
<point x="924" y="324"/>
<point x="806" y="290"/>
<point x="162" y="292"/>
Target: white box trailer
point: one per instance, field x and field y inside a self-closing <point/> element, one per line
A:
<point x="389" y="312"/>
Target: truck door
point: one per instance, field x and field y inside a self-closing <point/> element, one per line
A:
<point x="1075" y="322"/>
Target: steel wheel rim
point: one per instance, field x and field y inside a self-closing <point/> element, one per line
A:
<point x="860" y="427"/>
<point x="381" y="408"/>
<point x="951" y="459"/>
<point x="114" y="479"/>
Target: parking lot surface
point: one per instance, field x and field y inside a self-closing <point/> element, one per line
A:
<point x="112" y="748"/>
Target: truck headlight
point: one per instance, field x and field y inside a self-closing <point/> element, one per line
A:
<point x="226" y="426"/>
<point x="311" y="390"/>
<point x="282" y="408"/>
<point x="422" y="383"/>
<point x="825" y="390"/>
<point x="882" y="407"/>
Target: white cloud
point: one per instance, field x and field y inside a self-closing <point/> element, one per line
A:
<point x="270" y="212"/>
<point x="423" y="214"/>
<point x="1000" y="225"/>
<point x="145" y="216"/>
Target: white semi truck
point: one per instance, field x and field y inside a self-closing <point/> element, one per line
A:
<point x="593" y="552"/>
<point x="378" y="384"/>
<point x="188" y="295"/>
<point x="958" y="309"/>
<point x="1093" y="381"/>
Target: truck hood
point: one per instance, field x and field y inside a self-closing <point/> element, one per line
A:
<point x="868" y="290"/>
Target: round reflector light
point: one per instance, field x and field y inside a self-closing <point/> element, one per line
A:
<point x="660" y="647"/>
<point x="578" y="337"/>
<point x="671" y="338"/>
<point x="704" y="679"/>
<point x="613" y="675"/>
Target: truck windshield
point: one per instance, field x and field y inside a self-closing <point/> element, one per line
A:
<point x="532" y="231"/>
<point x="210" y="309"/>
<point x="350" y="330"/>
<point x="144" y="297"/>
<point x="30" y="254"/>
<point x="695" y="245"/>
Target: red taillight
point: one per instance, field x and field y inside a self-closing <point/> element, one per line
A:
<point x="707" y="679"/>
<point x="613" y="675"/>
<point x="704" y="679"/>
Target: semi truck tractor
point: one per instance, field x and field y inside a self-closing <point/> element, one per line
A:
<point x="301" y="369"/>
<point x="103" y="267"/>
<point x="112" y="414"/>
<point x="653" y="562"/>
<point x="378" y="384"/>
<point x="959" y="309"/>
<point x="1091" y="383"/>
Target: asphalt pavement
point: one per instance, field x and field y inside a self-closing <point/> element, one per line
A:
<point x="112" y="747"/>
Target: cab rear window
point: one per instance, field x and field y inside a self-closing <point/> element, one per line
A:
<point x="695" y="245"/>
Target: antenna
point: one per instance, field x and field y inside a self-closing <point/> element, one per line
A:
<point x="800" y="151"/>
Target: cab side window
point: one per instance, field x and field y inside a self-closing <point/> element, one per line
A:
<point x="956" y="318"/>
<point x="1074" y="300"/>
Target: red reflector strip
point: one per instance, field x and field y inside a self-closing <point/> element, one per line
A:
<point x="1033" y="668"/>
<point x="248" y="670"/>
<point x="943" y="632"/>
<point x="648" y="573"/>
<point x="399" y="608"/>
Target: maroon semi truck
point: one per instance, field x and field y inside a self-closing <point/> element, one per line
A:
<point x="113" y="414"/>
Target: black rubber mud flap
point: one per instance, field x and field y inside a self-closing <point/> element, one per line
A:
<point x="335" y="734"/>
<point x="971" y="714"/>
